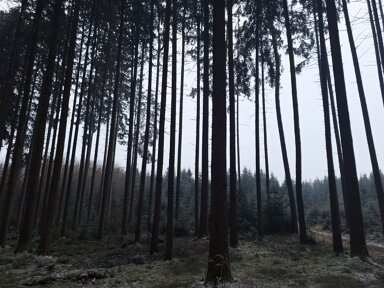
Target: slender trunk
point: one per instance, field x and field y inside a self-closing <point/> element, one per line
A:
<point x="203" y="228"/>
<point x="288" y="179"/>
<point x="137" y="135"/>
<point x="151" y="184"/>
<point x="378" y="31"/>
<point x="266" y="158"/>
<point x="128" y="172"/>
<point x="233" y="229"/>
<point x="172" y="143"/>
<point x="143" y="174"/>
<point x="334" y="202"/>
<point x="180" y="141"/>
<point x="197" y="151"/>
<point x="296" y="120"/>
<point x="154" y="245"/>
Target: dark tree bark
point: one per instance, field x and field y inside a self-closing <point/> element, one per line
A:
<point x="357" y="238"/>
<point x="172" y="143"/>
<point x="288" y="179"/>
<point x="154" y="142"/>
<point x="154" y="245"/>
<point x="218" y="263"/>
<point x="128" y="172"/>
<point x="137" y="135"/>
<point x="296" y="120"/>
<point x="266" y="158"/>
<point x="180" y="140"/>
<point x="143" y="174"/>
<point x="197" y="149"/>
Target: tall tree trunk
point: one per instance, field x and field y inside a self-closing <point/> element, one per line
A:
<point x="172" y="142"/>
<point x="137" y="135"/>
<point x="203" y="227"/>
<point x="154" y="245"/>
<point x="180" y="141"/>
<point x="296" y="121"/>
<point x="218" y="244"/>
<point x="143" y="174"/>
<point x="357" y="238"/>
<point x="266" y="158"/>
<point x="197" y="151"/>
<point x="378" y="31"/>
<point x="257" y="128"/>
<point x="128" y="172"/>
<point x="153" y="160"/>
<point x="233" y="229"/>
<point x="334" y="202"/>
<point x="288" y="179"/>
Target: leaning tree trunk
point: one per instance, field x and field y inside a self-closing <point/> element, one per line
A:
<point x="334" y="202"/>
<point x="288" y="179"/>
<point x="357" y="237"/>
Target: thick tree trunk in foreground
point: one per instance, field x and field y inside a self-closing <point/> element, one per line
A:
<point x="218" y="262"/>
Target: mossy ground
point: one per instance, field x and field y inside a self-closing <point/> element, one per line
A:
<point x="277" y="261"/>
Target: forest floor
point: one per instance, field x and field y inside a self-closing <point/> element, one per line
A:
<point x="277" y="261"/>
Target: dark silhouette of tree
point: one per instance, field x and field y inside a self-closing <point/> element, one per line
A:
<point x="218" y="261"/>
<point x="357" y="238"/>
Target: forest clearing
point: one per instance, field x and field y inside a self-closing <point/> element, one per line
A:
<point x="276" y="261"/>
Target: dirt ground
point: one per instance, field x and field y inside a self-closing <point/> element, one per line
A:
<point x="277" y="261"/>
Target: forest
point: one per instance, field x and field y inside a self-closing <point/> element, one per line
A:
<point x="95" y="105"/>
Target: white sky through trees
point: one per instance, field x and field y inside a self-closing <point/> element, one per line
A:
<point x="310" y="108"/>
